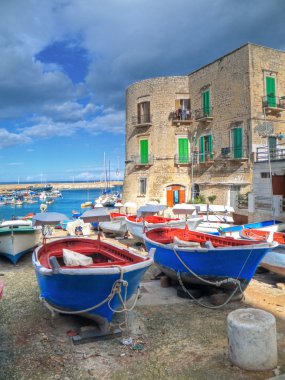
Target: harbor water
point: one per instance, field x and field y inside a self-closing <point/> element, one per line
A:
<point x="70" y="200"/>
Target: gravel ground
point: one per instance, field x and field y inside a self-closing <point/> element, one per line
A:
<point x="172" y="341"/>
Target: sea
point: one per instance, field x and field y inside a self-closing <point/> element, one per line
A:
<point x="70" y="200"/>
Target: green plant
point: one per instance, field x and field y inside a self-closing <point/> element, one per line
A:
<point x="212" y="198"/>
<point x="199" y="199"/>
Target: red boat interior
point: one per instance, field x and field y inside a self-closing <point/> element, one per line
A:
<point x="103" y="255"/>
<point x="150" y="219"/>
<point x="279" y="237"/>
<point x="114" y="215"/>
<point x="166" y="236"/>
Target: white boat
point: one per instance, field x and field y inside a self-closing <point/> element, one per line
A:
<point x="116" y="226"/>
<point x="18" y="237"/>
<point x="146" y="220"/>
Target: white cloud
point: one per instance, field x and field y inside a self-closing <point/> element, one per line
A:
<point x="15" y="163"/>
<point x="10" y="139"/>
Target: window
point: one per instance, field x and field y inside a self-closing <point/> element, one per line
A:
<point x="182" y="109"/>
<point x="206" y="148"/>
<point x="270" y="91"/>
<point x="237" y="142"/>
<point x="265" y="175"/>
<point x="144" y="112"/>
<point x="144" y="151"/>
<point x="142" y="186"/>
<point x="183" y="150"/>
<point x="206" y="103"/>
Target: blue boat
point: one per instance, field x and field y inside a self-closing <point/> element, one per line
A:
<point x="268" y="225"/>
<point x="196" y="257"/>
<point x="95" y="289"/>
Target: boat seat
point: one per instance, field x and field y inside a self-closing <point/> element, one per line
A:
<point x="184" y="243"/>
<point x="208" y="244"/>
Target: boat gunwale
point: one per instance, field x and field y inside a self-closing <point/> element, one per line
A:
<point x="116" y="269"/>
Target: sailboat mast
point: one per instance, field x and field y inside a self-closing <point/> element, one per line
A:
<point x="105" y="172"/>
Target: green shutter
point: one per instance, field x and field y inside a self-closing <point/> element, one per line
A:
<point x="272" y="142"/>
<point x="206" y="103"/>
<point x="210" y="139"/>
<point x="271" y="91"/>
<point x="183" y="150"/>
<point x="202" y="150"/>
<point x="237" y="142"/>
<point x="144" y="151"/>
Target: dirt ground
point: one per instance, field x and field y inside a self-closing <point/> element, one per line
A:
<point x="173" y="338"/>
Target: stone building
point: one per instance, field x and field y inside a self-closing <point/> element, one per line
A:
<point x="198" y="133"/>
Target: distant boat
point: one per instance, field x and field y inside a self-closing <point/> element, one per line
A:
<point x="86" y="204"/>
<point x="87" y="277"/>
<point x="18" y="237"/>
<point x="196" y="257"/>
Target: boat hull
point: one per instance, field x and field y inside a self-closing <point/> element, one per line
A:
<point x="137" y="229"/>
<point x="116" y="227"/>
<point x="209" y="264"/>
<point x="274" y="260"/>
<point x="17" y="243"/>
<point x="80" y="290"/>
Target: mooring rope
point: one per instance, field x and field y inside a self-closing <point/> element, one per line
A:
<point x="216" y="283"/>
<point x="116" y="290"/>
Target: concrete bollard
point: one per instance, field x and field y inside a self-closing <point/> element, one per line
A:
<point x="252" y="339"/>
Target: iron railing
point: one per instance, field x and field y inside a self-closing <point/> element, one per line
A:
<point x="142" y="119"/>
<point x="273" y="102"/>
<point x="275" y="154"/>
<point x="233" y="153"/>
<point x="181" y="115"/>
<point x="143" y="161"/>
<point x="179" y="159"/>
<point x="204" y="113"/>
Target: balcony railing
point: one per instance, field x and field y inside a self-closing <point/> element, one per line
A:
<point x="276" y="154"/>
<point x="273" y="105"/>
<point x="233" y="153"/>
<point x="204" y="114"/>
<point x="142" y="120"/>
<point x="142" y="161"/>
<point x="181" y="116"/>
<point x="182" y="160"/>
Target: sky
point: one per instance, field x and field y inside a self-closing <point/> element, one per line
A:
<point x="65" y="66"/>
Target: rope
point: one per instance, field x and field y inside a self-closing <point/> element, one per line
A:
<point x="216" y="283"/>
<point x="116" y="290"/>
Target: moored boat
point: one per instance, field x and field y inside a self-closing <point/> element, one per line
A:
<point x="94" y="289"/>
<point x="195" y="257"/>
<point x="274" y="260"/>
<point x="137" y="226"/>
<point x="18" y="237"/>
<point x="267" y="225"/>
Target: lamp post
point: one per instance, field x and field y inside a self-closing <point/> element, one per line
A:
<point x="266" y="129"/>
<point x="193" y="144"/>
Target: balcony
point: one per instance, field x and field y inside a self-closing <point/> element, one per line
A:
<point x="204" y="114"/>
<point x="139" y="161"/>
<point x="142" y="120"/>
<point x="182" y="160"/>
<point x="181" y="116"/>
<point x="273" y="105"/>
<point x="275" y="154"/>
<point x="233" y="153"/>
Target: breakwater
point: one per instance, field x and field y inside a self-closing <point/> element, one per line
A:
<point x="59" y="186"/>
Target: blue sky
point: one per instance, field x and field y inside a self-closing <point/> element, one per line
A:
<point x="65" y="66"/>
